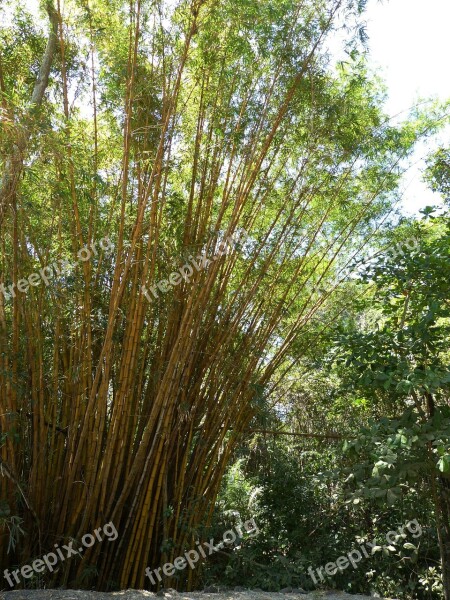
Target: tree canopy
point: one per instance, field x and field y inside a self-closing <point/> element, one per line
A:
<point x="185" y="190"/>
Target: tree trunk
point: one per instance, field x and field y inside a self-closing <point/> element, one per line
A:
<point x="14" y="164"/>
<point x="442" y="506"/>
<point x="443" y="524"/>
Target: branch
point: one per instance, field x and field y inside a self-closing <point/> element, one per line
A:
<point x="327" y="436"/>
<point x="44" y="72"/>
<point x="55" y="427"/>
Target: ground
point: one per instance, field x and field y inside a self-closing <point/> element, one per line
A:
<point x="142" y="595"/>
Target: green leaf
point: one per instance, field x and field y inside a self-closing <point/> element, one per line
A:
<point x="444" y="463"/>
<point x="409" y="546"/>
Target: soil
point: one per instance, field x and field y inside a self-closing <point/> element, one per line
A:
<point x="172" y="595"/>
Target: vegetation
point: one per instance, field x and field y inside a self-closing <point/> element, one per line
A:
<point x="137" y="140"/>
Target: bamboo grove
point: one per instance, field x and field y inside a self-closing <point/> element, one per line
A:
<point x="167" y="128"/>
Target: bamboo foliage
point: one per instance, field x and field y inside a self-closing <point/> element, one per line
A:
<point x="205" y="120"/>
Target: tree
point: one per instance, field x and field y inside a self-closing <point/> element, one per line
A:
<point x="403" y="364"/>
<point x="166" y="132"/>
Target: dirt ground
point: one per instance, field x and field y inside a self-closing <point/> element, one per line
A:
<point x="172" y="595"/>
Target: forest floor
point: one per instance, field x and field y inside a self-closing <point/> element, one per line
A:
<point x="142" y="595"/>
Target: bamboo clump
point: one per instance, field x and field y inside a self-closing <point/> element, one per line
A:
<point x="116" y="409"/>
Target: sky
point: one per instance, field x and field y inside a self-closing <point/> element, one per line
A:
<point x="409" y="45"/>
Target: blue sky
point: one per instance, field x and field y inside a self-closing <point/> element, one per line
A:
<point x="409" y="46"/>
